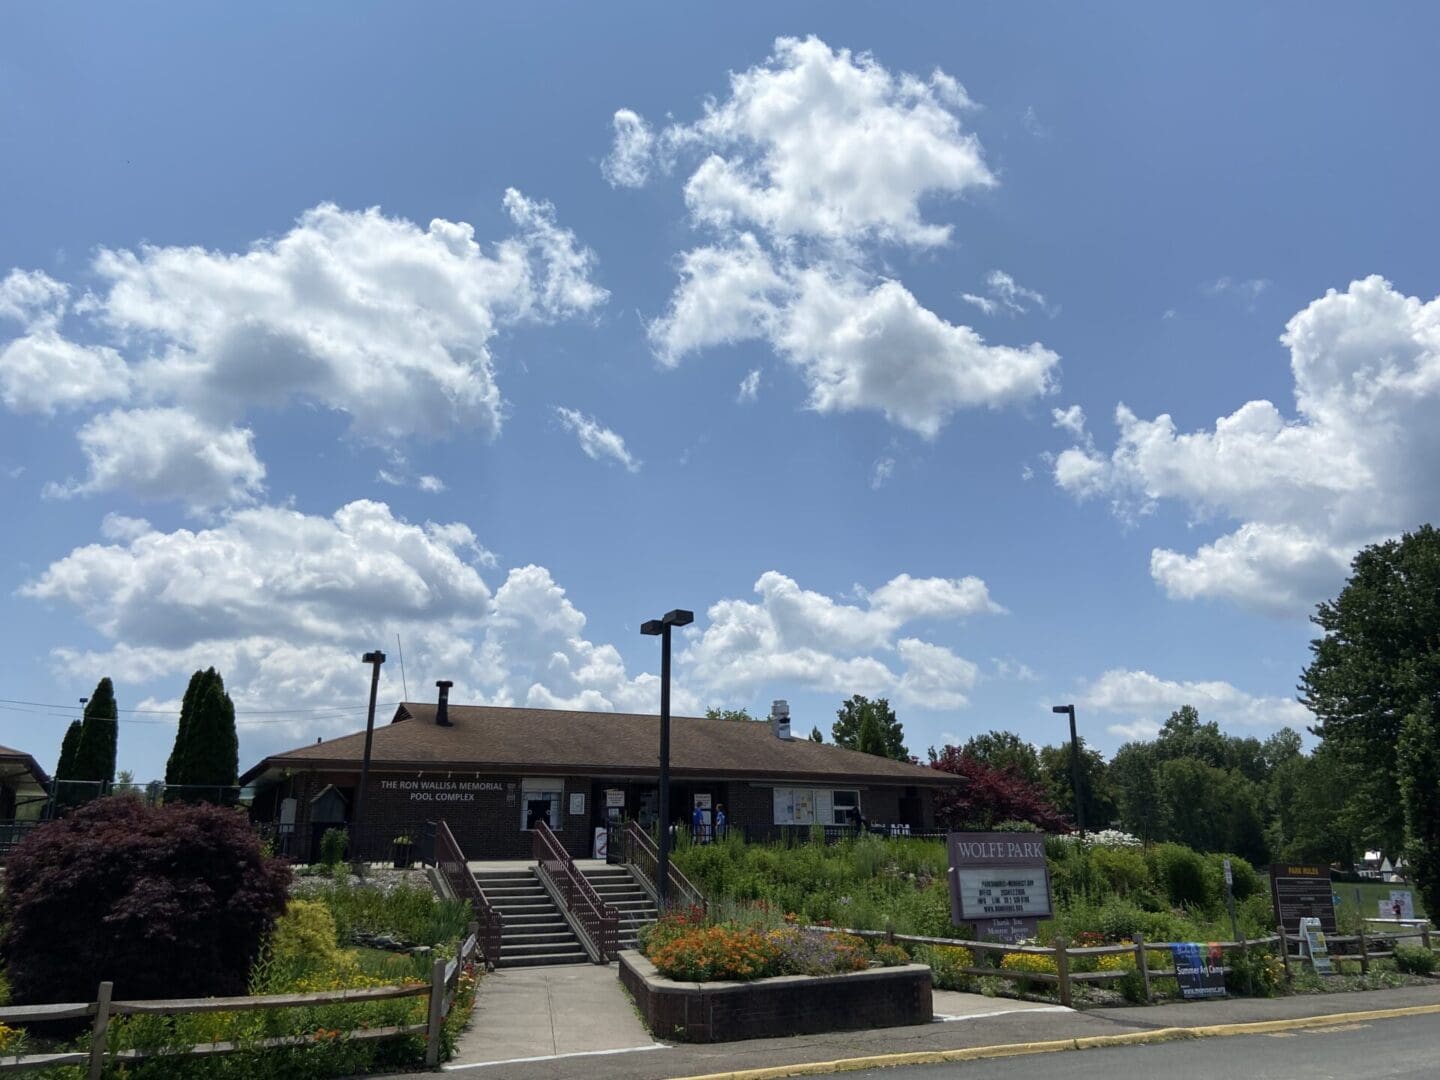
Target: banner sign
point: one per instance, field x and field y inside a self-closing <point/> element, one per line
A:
<point x="999" y="881"/>
<point x="1199" y="969"/>
<point x="1315" y="946"/>
<point x="1303" y="892"/>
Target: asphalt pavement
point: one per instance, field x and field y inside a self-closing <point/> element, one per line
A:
<point x="1402" y="1049"/>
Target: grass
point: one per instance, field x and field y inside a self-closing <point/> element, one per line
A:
<point x="1348" y="913"/>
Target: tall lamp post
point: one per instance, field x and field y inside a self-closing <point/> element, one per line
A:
<point x="652" y="628"/>
<point x="374" y="659"/>
<point x="1074" y="766"/>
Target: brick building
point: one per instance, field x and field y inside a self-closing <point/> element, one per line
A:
<point x="490" y="772"/>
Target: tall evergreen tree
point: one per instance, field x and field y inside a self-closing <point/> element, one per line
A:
<point x="95" y="755"/>
<point x="174" y="764"/>
<point x="815" y="735"/>
<point x="65" y="768"/>
<point x="211" y="758"/>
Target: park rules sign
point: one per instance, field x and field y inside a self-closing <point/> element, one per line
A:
<point x="999" y="882"/>
<point x="1302" y="892"/>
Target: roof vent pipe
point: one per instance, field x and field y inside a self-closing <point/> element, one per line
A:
<point x="780" y="719"/>
<point x="442" y="707"/>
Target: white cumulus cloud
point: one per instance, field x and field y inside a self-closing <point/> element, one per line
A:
<point x="1142" y="702"/>
<point x="629" y="161"/>
<point x="814" y="159"/>
<point x="1355" y="463"/>
<point x="374" y="317"/>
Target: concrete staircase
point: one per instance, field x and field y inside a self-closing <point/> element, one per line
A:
<point x="534" y="931"/>
<point x="619" y="889"/>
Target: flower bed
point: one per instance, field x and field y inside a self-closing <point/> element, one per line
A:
<point x="728" y="1010"/>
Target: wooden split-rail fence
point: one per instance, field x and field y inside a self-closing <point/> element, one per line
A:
<point x="1063" y="954"/>
<point x="441" y="990"/>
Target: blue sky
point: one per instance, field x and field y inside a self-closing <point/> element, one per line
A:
<point x="256" y="410"/>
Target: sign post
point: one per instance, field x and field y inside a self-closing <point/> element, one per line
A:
<point x="1230" y="899"/>
<point x="999" y="882"/>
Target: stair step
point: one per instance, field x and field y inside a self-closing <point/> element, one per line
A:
<point x="576" y="957"/>
<point x="558" y="937"/>
<point x="567" y="944"/>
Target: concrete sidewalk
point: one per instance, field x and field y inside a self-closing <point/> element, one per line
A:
<point x="557" y="1013"/>
<point x="977" y="1021"/>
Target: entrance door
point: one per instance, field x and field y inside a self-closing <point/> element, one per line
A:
<point x="537" y="810"/>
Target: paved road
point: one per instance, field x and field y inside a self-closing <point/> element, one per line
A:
<point x="1404" y="1049"/>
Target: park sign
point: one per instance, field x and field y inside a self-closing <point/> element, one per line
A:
<point x="1302" y="892"/>
<point x="999" y="882"/>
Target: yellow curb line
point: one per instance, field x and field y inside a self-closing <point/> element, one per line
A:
<point x="1090" y="1042"/>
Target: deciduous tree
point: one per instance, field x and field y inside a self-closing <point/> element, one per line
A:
<point x="846" y="729"/>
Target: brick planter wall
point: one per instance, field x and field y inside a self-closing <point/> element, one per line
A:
<point x="787" y="1005"/>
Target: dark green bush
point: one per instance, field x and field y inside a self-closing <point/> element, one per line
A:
<point x="1180" y="871"/>
<point x="1415" y="960"/>
<point x="1124" y="869"/>
<point x="332" y="847"/>
<point x="1248" y="882"/>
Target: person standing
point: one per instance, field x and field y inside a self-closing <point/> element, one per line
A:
<point x="697" y="825"/>
<point x="720" y="821"/>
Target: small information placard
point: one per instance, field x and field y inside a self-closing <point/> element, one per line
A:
<point x="1199" y="969"/>
<point x="1004" y="893"/>
<point x="1315" y="946"/>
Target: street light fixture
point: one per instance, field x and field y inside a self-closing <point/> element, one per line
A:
<point x="1074" y="766"/>
<point x="661" y="628"/>
<point x="374" y="659"/>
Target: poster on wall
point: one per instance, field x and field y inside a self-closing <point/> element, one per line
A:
<point x="1199" y="969"/>
<point x="577" y="804"/>
<point x="999" y="882"/>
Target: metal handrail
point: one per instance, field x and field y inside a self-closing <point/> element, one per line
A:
<point x="598" y="920"/>
<point x="450" y="861"/>
<point x="641" y="853"/>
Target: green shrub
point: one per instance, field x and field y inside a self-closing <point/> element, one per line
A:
<point x="1254" y="972"/>
<point x="1120" y="920"/>
<point x="945" y="963"/>
<point x="1247" y="881"/>
<point x="1256" y="915"/>
<point x="1124" y="869"/>
<point x="410" y="913"/>
<point x="1415" y="960"/>
<point x="887" y="955"/>
<point x="304" y="934"/>
<point x="333" y="843"/>
<point x="1180" y="872"/>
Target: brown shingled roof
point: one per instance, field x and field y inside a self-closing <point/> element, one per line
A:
<point x="492" y="739"/>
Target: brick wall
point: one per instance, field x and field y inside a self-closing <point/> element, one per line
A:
<point x="725" y="1012"/>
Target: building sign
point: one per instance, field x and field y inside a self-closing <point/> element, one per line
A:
<point x="442" y="790"/>
<point x="1303" y="892"/>
<point x="1315" y="946"/>
<point x="999" y="882"/>
<point x="615" y="797"/>
<point x="577" y="804"/>
<point x="1199" y="969"/>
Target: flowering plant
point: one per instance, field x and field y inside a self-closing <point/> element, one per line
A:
<point x="702" y="954"/>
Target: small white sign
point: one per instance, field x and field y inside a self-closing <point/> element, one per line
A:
<point x="615" y="797"/>
<point x="1229" y="874"/>
<point x="702" y="802"/>
<point x="1003" y="892"/>
<point x="577" y="804"/>
<point x="1315" y="945"/>
<point x="1406" y="899"/>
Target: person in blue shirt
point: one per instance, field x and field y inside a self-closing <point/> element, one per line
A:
<point x="697" y="825"/>
<point x="719" y="821"/>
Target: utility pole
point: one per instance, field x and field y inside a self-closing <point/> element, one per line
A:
<point x="661" y="627"/>
<point x="374" y="659"/>
<point x="1074" y="767"/>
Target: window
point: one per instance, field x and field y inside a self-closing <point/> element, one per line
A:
<point x="806" y="806"/>
<point x="845" y="806"/>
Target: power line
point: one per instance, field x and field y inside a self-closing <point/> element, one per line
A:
<point x="358" y="706"/>
<point x="69" y="714"/>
